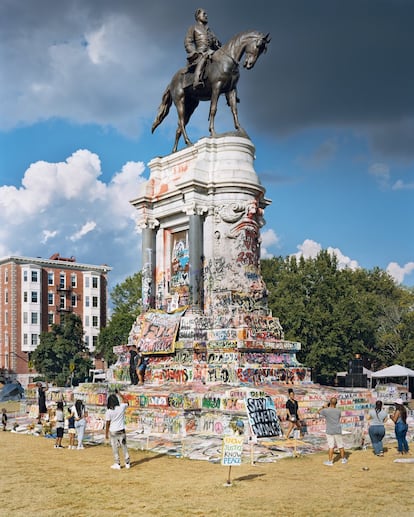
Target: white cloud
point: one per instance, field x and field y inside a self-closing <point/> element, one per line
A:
<point x="401" y="185"/>
<point x="399" y="272"/>
<point x="86" y="228"/>
<point x="48" y="234"/>
<point x="310" y="249"/>
<point x="88" y="217"/>
<point x="269" y="238"/>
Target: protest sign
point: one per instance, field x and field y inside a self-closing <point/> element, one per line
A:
<point x="262" y="417"/>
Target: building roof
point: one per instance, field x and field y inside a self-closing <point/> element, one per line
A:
<point x="56" y="262"/>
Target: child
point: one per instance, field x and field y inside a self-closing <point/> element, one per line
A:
<point x="4" y="418"/>
<point x="71" y="430"/>
<point x="60" y="425"/>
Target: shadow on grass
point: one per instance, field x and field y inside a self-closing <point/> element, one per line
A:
<point x="249" y="477"/>
<point x="146" y="460"/>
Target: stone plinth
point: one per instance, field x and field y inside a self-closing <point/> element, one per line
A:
<point x="201" y="212"/>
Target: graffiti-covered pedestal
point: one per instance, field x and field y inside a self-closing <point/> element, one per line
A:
<point x="205" y="307"/>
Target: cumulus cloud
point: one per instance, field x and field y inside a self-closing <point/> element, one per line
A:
<point x="399" y="272"/>
<point x="310" y="249"/>
<point x="269" y="238"/>
<point x="88" y="217"/>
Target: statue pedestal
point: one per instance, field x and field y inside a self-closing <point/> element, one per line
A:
<point x="201" y="212"/>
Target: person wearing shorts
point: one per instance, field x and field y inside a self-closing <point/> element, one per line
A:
<point x="332" y="416"/>
<point x="71" y="430"/>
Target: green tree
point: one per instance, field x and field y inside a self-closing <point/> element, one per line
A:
<point x="126" y="300"/>
<point x="62" y="352"/>
<point x="336" y="313"/>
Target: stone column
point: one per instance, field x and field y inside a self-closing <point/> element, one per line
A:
<point x="195" y="237"/>
<point x="148" y="267"/>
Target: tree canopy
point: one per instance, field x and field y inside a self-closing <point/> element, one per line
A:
<point x="61" y="354"/>
<point x="126" y="298"/>
<point x="337" y="313"/>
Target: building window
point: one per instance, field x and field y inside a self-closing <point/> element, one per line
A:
<point x="6" y="339"/>
<point x="50" y="299"/>
<point x="24" y="339"/>
<point x="86" y="281"/>
<point x="6" y="276"/>
<point x="50" y="278"/>
<point x="34" y="296"/>
<point x="73" y="281"/>
<point x="94" y="341"/>
<point x="87" y="341"/>
<point x="25" y="317"/>
<point x="25" y="296"/>
<point x="95" y="282"/>
<point x="6" y="317"/>
<point x="6" y="296"/>
<point x="62" y="301"/>
<point x="62" y="280"/>
<point x="87" y="301"/>
<point x="50" y="318"/>
<point x="25" y="276"/>
<point x="86" y="321"/>
<point x="34" y="339"/>
<point x="94" y="321"/>
<point x="34" y="318"/>
<point x="34" y="276"/>
<point x="94" y="301"/>
<point x="74" y="300"/>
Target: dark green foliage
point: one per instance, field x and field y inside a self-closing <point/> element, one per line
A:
<point x="126" y="298"/>
<point x="337" y="313"/>
<point x="59" y="349"/>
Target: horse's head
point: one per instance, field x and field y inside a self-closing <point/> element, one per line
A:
<point x="256" y="45"/>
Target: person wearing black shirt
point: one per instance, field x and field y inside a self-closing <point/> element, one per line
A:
<point x="292" y="413"/>
<point x="132" y="365"/>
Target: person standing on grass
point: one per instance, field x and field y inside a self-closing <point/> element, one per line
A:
<point x="4" y="418"/>
<point x="399" y="417"/>
<point x="115" y="428"/>
<point x="376" y="429"/>
<point x="71" y="430"/>
<point x="60" y="425"/>
<point x="292" y="408"/>
<point x="332" y="416"/>
<point x="78" y="410"/>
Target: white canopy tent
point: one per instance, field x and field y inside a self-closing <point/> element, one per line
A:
<point x="394" y="371"/>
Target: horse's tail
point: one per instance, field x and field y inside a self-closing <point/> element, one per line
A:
<point x="163" y="109"/>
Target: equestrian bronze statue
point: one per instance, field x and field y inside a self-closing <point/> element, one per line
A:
<point x="221" y="75"/>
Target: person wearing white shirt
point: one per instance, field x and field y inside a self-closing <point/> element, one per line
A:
<point x="115" y="429"/>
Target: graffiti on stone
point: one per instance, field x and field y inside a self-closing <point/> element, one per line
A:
<point x="262" y="416"/>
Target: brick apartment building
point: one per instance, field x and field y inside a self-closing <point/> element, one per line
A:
<point x="37" y="292"/>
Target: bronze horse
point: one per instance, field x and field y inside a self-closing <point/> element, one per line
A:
<point x="221" y="76"/>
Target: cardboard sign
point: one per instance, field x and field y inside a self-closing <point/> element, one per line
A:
<point x="262" y="417"/>
<point x="232" y="450"/>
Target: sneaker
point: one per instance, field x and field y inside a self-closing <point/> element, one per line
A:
<point x="344" y="460"/>
<point x="328" y="463"/>
<point x="60" y="447"/>
<point x="79" y="447"/>
<point x="116" y="466"/>
<point x="127" y="465"/>
<point x="55" y="446"/>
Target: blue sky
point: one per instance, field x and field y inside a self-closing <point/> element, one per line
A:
<point x="329" y="108"/>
